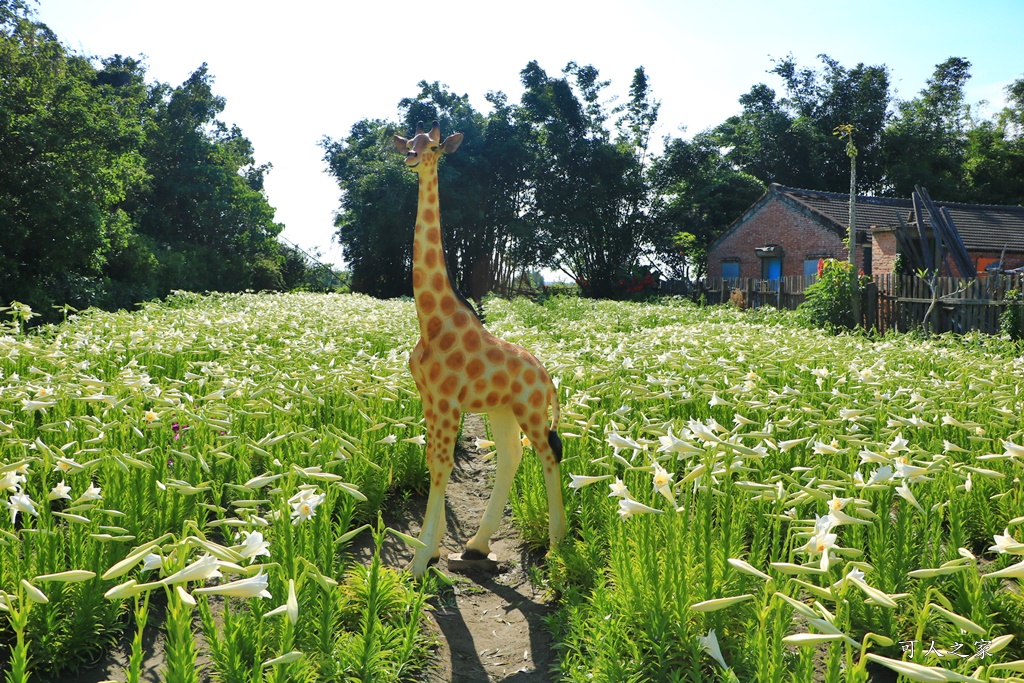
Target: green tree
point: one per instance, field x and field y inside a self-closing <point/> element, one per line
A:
<point x="994" y="156"/>
<point x="69" y="158"/>
<point x="204" y="209"/>
<point x="789" y="140"/>
<point x="700" y="194"/>
<point x="589" y="192"/>
<point x="377" y="215"/>
<point x="926" y="144"/>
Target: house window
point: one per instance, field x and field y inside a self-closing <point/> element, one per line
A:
<point x="811" y="266"/>
<point x="730" y="269"/>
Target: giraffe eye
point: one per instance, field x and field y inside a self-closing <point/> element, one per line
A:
<point x="434" y="148"/>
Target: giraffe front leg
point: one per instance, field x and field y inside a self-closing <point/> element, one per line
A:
<point x="440" y="461"/>
<point x="509" y="446"/>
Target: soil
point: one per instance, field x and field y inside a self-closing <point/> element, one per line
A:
<point x="489" y="626"/>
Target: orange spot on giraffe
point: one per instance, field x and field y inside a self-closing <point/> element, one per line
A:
<point x="517" y="387"/>
<point x="515" y="363"/>
<point x="450" y="384"/>
<point x="443" y="405"/>
<point x="429" y="215"/>
<point x="418" y="276"/>
<point x="434" y="327"/>
<point x="535" y="419"/>
<point x="536" y="398"/>
<point x="475" y="368"/>
<point x="427" y="302"/>
<point x="456" y="360"/>
<point x="448" y="305"/>
<point x="447" y="342"/>
<point x="476" y="405"/>
<point x="492" y="399"/>
<point x="437" y="282"/>
<point x="480" y="385"/>
<point x="434" y="236"/>
<point x="495" y="356"/>
<point x="432" y="198"/>
<point x="435" y="371"/>
<point x="430" y="258"/>
<point x="462" y="393"/>
<point x="519" y="410"/>
<point x="500" y="379"/>
<point x="530" y="376"/>
<point x="461" y="319"/>
<point x="471" y="340"/>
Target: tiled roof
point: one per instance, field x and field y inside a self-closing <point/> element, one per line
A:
<point x="982" y="228"/>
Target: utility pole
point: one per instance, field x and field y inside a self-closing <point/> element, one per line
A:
<point x="846" y="131"/>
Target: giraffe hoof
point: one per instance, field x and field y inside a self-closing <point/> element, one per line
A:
<point x="472" y="559"/>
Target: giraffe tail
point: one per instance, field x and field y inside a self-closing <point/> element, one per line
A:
<point x="556" y="417"/>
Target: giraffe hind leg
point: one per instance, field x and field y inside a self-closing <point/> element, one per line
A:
<point x="509" y="447"/>
<point x="549" y="449"/>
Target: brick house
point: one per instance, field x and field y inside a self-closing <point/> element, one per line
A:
<point x="788" y="230"/>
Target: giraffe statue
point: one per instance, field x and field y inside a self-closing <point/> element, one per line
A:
<point x="460" y="367"/>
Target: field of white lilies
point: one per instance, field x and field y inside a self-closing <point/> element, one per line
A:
<point x="748" y="500"/>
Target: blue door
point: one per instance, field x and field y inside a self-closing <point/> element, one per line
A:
<point x="771" y="268"/>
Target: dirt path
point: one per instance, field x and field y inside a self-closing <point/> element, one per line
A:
<point x="491" y="624"/>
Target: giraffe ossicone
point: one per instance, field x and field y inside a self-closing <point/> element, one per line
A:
<point x="459" y="367"/>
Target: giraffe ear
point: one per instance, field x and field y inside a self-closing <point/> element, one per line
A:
<point x="401" y="144"/>
<point x="451" y="143"/>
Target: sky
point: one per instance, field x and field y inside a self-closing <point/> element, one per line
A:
<point x="294" y="72"/>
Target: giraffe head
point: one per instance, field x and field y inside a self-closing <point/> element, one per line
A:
<point x="423" y="149"/>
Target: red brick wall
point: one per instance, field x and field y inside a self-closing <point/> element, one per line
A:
<point x="883" y="251"/>
<point x="799" y="235"/>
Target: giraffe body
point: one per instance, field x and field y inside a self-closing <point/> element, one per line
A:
<point x="460" y="367"/>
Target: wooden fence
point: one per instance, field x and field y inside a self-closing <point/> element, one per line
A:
<point x="786" y="292"/>
<point x="892" y="302"/>
<point x="960" y="304"/>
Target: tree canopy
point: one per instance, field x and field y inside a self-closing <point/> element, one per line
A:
<point x="116" y="190"/>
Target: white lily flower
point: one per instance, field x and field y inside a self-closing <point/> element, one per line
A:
<point x="304" y="505"/>
<point x="881" y="475"/>
<point x="11" y="481"/>
<point x="292" y="604"/>
<point x="1006" y="544"/>
<point x="253" y="587"/>
<point x="152" y="561"/>
<point x="898" y="444"/>
<point x="629" y="507"/>
<point x="206" y="567"/>
<point x="617" y="441"/>
<point x="618" y="489"/>
<point x="581" y="480"/>
<point x="59" y="491"/>
<point x="905" y="493"/>
<point x="20" y="502"/>
<point x="709" y="644"/>
<point x="91" y="493"/>
<point x="253" y="546"/>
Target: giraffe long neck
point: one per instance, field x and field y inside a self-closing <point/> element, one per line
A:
<point x="435" y="298"/>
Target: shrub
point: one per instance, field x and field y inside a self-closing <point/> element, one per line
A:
<point x="829" y="300"/>
<point x="1010" y="322"/>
